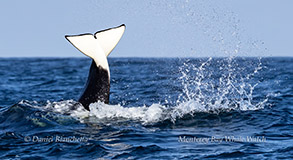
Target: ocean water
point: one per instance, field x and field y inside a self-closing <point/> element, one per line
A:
<point x="160" y="108"/>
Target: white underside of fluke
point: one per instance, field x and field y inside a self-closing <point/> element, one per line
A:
<point x="99" y="45"/>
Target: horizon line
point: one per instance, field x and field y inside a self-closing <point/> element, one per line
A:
<point x="43" y="57"/>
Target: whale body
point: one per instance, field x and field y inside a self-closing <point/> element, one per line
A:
<point x="97" y="46"/>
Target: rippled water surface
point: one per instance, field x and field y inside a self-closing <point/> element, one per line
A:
<point x="160" y="108"/>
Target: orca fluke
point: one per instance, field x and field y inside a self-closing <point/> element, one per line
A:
<point x="97" y="47"/>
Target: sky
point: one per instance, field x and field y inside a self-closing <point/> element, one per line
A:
<point x="161" y="28"/>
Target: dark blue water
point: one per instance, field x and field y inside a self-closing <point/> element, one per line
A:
<point x="160" y="108"/>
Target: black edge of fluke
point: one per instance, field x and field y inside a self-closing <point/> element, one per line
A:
<point x="108" y="29"/>
<point x="83" y="34"/>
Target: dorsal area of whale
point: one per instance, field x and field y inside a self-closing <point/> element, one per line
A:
<point x="97" y="46"/>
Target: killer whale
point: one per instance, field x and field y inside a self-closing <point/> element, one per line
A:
<point x="97" y="46"/>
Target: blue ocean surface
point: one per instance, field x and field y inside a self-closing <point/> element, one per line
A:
<point x="160" y="108"/>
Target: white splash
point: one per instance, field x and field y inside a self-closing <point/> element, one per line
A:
<point x="223" y="86"/>
<point x="68" y="107"/>
<point x="151" y="114"/>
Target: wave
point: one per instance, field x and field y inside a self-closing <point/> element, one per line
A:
<point x="64" y="112"/>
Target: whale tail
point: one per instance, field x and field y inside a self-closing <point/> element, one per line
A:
<point x="97" y="46"/>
